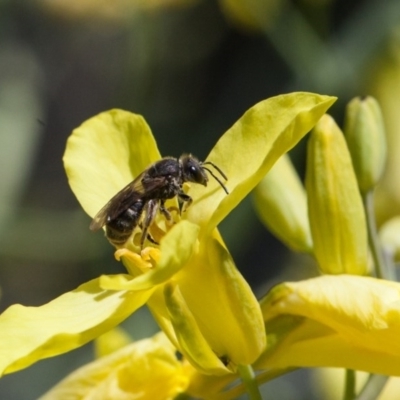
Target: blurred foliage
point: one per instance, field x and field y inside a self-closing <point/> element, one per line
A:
<point x="191" y="68"/>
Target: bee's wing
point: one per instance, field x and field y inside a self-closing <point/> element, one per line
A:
<point x="142" y="186"/>
<point x="119" y="203"/>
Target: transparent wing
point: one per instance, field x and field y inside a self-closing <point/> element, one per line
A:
<point x="126" y="197"/>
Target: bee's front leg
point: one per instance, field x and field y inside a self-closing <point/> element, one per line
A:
<point x="185" y="201"/>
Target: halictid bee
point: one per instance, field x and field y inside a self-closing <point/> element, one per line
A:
<point x="138" y="203"/>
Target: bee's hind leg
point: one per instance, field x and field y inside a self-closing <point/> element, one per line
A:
<point x="151" y="211"/>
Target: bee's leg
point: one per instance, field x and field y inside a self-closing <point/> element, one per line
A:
<point x="185" y="200"/>
<point x="151" y="210"/>
<point x="164" y="211"/>
<point x="150" y="239"/>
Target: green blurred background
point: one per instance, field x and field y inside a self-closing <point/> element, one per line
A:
<point x="191" y="68"/>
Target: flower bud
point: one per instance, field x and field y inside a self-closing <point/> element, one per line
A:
<point x="335" y="208"/>
<point x="281" y="203"/>
<point x="365" y="135"/>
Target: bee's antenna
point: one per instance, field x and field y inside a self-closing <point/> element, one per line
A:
<point x="217" y="168"/>
<point x="215" y="177"/>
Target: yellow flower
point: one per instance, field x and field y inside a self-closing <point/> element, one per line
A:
<point x="190" y="282"/>
<point x="145" y="370"/>
<point x="337" y="321"/>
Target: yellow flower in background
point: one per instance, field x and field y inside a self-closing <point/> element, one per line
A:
<point x="328" y="220"/>
<point x="337" y="321"/>
<point x="117" y="11"/>
<point x="281" y="202"/>
<point x="384" y="85"/>
<point x="147" y="369"/>
<point x="190" y="282"/>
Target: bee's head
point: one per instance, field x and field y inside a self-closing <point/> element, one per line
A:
<point x="192" y="170"/>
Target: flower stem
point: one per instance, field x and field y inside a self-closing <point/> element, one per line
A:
<point x="379" y="263"/>
<point x="249" y="381"/>
<point x="350" y="385"/>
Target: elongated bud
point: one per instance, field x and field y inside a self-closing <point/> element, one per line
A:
<point x="365" y="135"/>
<point x="335" y="208"/>
<point x="281" y="203"/>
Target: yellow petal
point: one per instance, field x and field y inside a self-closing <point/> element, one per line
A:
<point x="175" y="248"/>
<point x="204" y="386"/>
<point x="247" y="151"/>
<point x="222" y="303"/>
<point x="105" y="153"/>
<point x="341" y="321"/>
<point x="280" y="199"/>
<point x="310" y="345"/>
<point x="335" y="208"/>
<point x="111" y="341"/>
<point x="145" y="370"/>
<point x="29" y="334"/>
<point x="192" y="343"/>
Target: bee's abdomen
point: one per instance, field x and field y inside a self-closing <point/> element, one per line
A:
<point x="120" y="229"/>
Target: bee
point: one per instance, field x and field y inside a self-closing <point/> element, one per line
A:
<point x="137" y="203"/>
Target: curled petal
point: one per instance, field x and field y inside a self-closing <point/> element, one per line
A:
<point x="191" y="341"/>
<point x="105" y="153"/>
<point x="225" y="308"/>
<point x="247" y="151"/>
<point x="29" y="334"/>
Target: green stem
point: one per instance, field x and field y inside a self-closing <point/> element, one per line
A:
<point x="379" y="263"/>
<point x="373" y="388"/>
<point x="350" y="387"/>
<point x="383" y="270"/>
<point x="262" y="377"/>
<point x="249" y="381"/>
